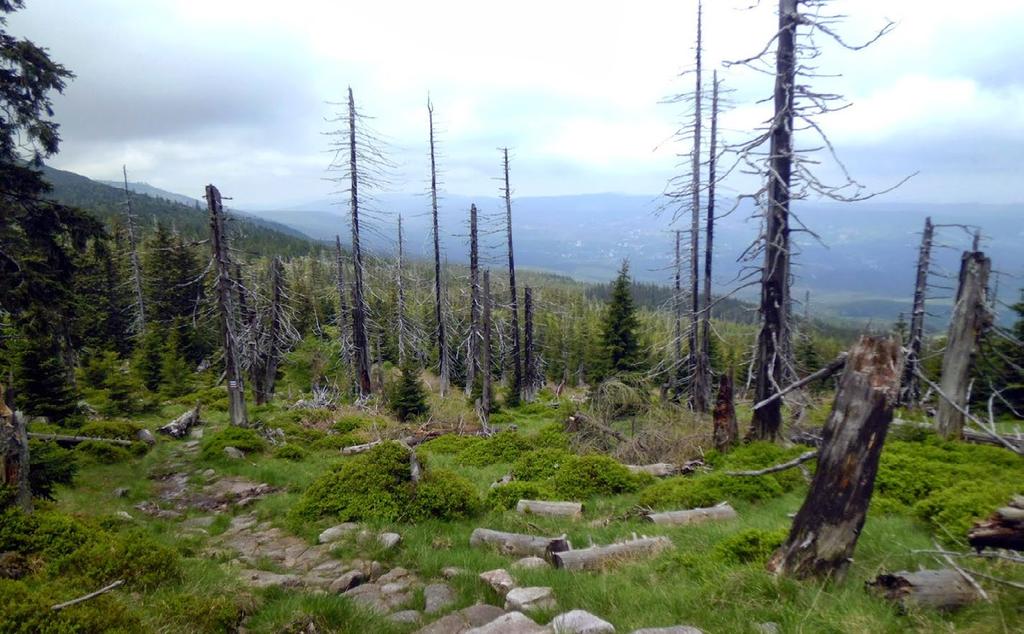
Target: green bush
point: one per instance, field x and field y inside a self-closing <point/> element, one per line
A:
<point x="953" y="510"/>
<point x="450" y="444"/>
<point x="203" y="612"/>
<point x="707" y="490"/>
<point x="539" y="464"/>
<point x="50" y="465"/>
<point x="119" y="429"/>
<point x="103" y="452"/>
<point x="407" y="397"/>
<point x="26" y="610"/>
<point x="300" y="434"/>
<point x="758" y="455"/>
<point x="506" y="496"/>
<point x="751" y="545"/>
<point x="348" y="423"/>
<point x="290" y="452"/>
<point x="582" y="477"/>
<point x="335" y="442"/>
<point x="241" y="438"/>
<point x="502" y="447"/>
<point x="443" y="494"/>
<point x="552" y="437"/>
<point x="133" y="556"/>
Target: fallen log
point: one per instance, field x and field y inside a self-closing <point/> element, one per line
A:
<point x="834" y="366"/>
<point x="722" y="511"/>
<point x="1003" y="529"/>
<point x="355" y="449"/>
<point x="944" y="589"/>
<point x="67" y="604"/>
<point x="578" y="419"/>
<point x="178" y="427"/>
<point x="795" y="462"/>
<point x="544" y="508"/>
<point x="658" y="470"/>
<point x="597" y="557"/>
<point x="518" y="544"/>
<point x="74" y="440"/>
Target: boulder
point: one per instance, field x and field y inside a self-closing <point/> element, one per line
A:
<point x="499" y="580"/>
<point x="527" y="563"/>
<point x="335" y="533"/>
<point x="410" y="617"/>
<point x="511" y="623"/>
<point x="233" y="453"/>
<point x="347" y="581"/>
<point x="580" y="622"/>
<point x="532" y="598"/>
<point x="437" y="596"/>
<point x="463" y="620"/>
<point x="146" y="436"/>
<point x="389" y="540"/>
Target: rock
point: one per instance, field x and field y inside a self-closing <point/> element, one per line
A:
<point x="580" y="622"/>
<point x="146" y="436"/>
<point x="511" y="623"/>
<point x="405" y="616"/>
<point x="768" y="628"/>
<point x="191" y="445"/>
<point x="396" y="587"/>
<point x="437" y="596"/>
<point x="120" y="492"/>
<point x="393" y="575"/>
<point x="209" y="473"/>
<point x="464" y="619"/>
<point x="675" y="629"/>
<point x="389" y="540"/>
<point x="199" y="522"/>
<point x="124" y="515"/>
<point x="452" y="571"/>
<point x="499" y="579"/>
<point x="376" y="570"/>
<point x="335" y="533"/>
<point x="234" y="454"/>
<point x="532" y="598"/>
<point x="528" y="563"/>
<point x="266" y="579"/>
<point x="347" y="581"/>
<point x="197" y="432"/>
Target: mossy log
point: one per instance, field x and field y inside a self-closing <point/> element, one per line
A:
<point x="518" y="544"/>
<point x="1004" y="529"/>
<point x="178" y="427"/>
<point x="718" y="512"/>
<point x="74" y="440"/>
<point x="944" y="589"/>
<point x="598" y="557"/>
<point x="544" y="508"/>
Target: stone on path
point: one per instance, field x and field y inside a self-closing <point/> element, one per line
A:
<point x="410" y="617"/>
<point x="511" y="623"/>
<point x="463" y="620"/>
<point x="347" y="581"/>
<point x="528" y="563"/>
<point x="389" y="540"/>
<point x="267" y="579"/>
<point x="675" y="629"/>
<point x="532" y="598"/>
<point x="437" y="596"/>
<point x="233" y="453"/>
<point x="499" y="580"/>
<point x="580" y="622"/>
<point x="335" y="533"/>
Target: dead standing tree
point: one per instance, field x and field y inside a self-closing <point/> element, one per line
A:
<point x="970" y="319"/>
<point x="911" y="388"/>
<point x="343" y="312"/>
<point x="442" y="342"/>
<point x="273" y="337"/>
<point x="515" y="389"/>
<point x="473" y="344"/>
<point x="485" y="356"/>
<point x="226" y="309"/>
<point x="400" y="289"/>
<point x="697" y="365"/>
<point x="825" y="530"/>
<point x="14" y="457"/>
<point x="531" y="375"/>
<point x="702" y="382"/>
<point x="133" y="258"/>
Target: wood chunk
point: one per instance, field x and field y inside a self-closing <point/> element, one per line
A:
<point x="518" y="544"/>
<point x="1003" y="529"/>
<point x="597" y="557"/>
<point x="178" y="427"/>
<point x="550" y="509"/>
<point x="721" y="511"/>
<point x="944" y="589"/>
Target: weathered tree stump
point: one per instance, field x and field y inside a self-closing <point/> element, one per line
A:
<point x="573" y="510"/>
<point x="178" y="427"/>
<point x="938" y="589"/>
<point x="721" y="511"/>
<point x="518" y="544"/>
<point x="726" y="430"/>
<point x="1004" y="529"/>
<point x="597" y="557"/>
<point x="826" y="528"/>
<point x="14" y="457"/>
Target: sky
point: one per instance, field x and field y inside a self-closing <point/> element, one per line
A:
<point x="239" y="92"/>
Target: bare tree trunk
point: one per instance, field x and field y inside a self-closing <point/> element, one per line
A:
<point x="698" y="386"/>
<point x="442" y="342"/>
<point x="772" y="340"/>
<point x="232" y="372"/>
<point x="14" y="457"/>
<point x="677" y="310"/>
<point x="529" y="354"/>
<point x="401" y="295"/>
<point x="473" y="347"/>
<point x="702" y="384"/>
<point x="726" y="430"/>
<point x="140" y="302"/>
<point x="360" y="340"/>
<point x="274" y="328"/>
<point x="343" y="312"/>
<point x="825" y="530"/>
<point x="970" y="319"/>
<point x="911" y="384"/>
<point x="517" y="369"/>
<point x="485" y="357"/>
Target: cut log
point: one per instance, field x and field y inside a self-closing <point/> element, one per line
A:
<point x="938" y="589"/>
<point x="354" y="449"/>
<point x="721" y="511"/>
<point x="1004" y="529"/>
<point x="518" y="544"/>
<point x="178" y="427"/>
<point x="551" y="509"/>
<point x="74" y="440"/>
<point x="598" y="557"/>
<point x="825" y="530"/>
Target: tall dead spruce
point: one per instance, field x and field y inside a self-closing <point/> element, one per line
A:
<point x="531" y="378"/>
<point x="911" y="390"/>
<point x="517" y="368"/>
<point x="473" y="344"/>
<point x="226" y="309"/>
<point x="702" y="381"/>
<point x="343" y="312"/>
<point x="825" y="530"/>
<point x="697" y="365"/>
<point x="442" y="340"/>
<point x="273" y="335"/>
<point x="133" y="257"/>
<point x="485" y="356"/>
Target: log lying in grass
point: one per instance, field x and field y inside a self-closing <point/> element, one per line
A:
<point x="550" y="509"/>
<point x="721" y="511"/>
<point x="354" y="449"/>
<point x="597" y="557"/>
<point x="1004" y="529"/>
<point x="518" y="544"/>
<point x="74" y="440"/>
<point x="944" y="589"/>
<point x="795" y="462"/>
<point x="178" y="427"/>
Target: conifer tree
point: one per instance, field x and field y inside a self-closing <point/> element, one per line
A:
<point x="409" y="398"/>
<point x="175" y="374"/>
<point x="619" y="339"/>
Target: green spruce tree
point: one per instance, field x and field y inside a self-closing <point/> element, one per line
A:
<point x="620" y="352"/>
<point x="408" y="398"/>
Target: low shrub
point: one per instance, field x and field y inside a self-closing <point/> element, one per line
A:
<point x="103" y="452"/>
<point x="707" y="490"/>
<point x="290" y="452"/>
<point x="119" y="429"/>
<point x="506" y="496"/>
<point x="758" y="455"/>
<point x="204" y="612"/>
<point x="348" y="423"/>
<point x="241" y="438"/>
<point x="443" y="494"/>
<point x="539" y="464"/>
<point x="582" y="477"/>
<point x="751" y="545"/>
<point x="50" y="465"/>
<point x="450" y="444"/>
<point x="502" y="447"/>
<point x="133" y="556"/>
<point x="953" y="510"/>
<point x="551" y="437"/>
<point x="26" y="609"/>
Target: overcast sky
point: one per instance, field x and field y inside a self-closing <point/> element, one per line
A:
<point x="235" y="92"/>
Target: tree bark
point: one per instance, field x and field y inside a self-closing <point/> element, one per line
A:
<point x="718" y="512"/>
<point x="74" y="440"/>
<point x="697" y="368"/>
<point x="442" y="341"/>
<point x="360" y="338"/>
<point x="825" y="530"/>
<point x="485" y="356"/>
<point x="133" y="254"/>
<point x="232" y="371"/>
<point x="704" y="370"/>
<point x="773" y="336"/>
<point x="530" y="381"/>
<point x="14" y="456"/>
<point x="343" y="312"/>
<point x="911" y="393"/>
<point x="473" y="347"/>
<point x="936" y="589"/>
<point x="517" y="544"/>
<point x="1004" y="529"/>
<point x="970" y="319"/>
<point x="598" y="557"/>
<point x="726" y="429"/>
<point x="677" y="310"/>
<point x="572" y="510"/>
<point x="517" y="368"/>
<point x="178" y="427"/>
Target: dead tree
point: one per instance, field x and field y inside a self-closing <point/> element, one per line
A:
<point x="226" y="308"/>
<point x="14" y="457"/>
<point x="473" y="345"/>
<point x="485" y="355"/>
<point x="969" y="321"/>
<point x="342" y="303"/>
<point x="133" y="256"/>
<point x="516" y="387"/>
<point x="702" y="380"/>
<point x="273" y="338"/>
<point x="726" y="430"/>
<point x="825" y="530"/>
<point x="442" y="342"/>
<point x="677" y="313"/>
<point x="530" y="379"/>
<point x="911" y="390"/>
<point x="400" y="286"/>
<point x="697" y="366"/>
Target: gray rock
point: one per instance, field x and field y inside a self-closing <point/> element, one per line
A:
<point x="528" y="563"/>
<point x="464" y="619"/>
<point x="124" y="515"/>
<point x="768" y="628"/>
<point x="267" y="579"/>
<point x="675" y="629"/>
<point x="511" y="623"/>
<point x="191" y="444"/>
<point x="580" y="622"/>
<point x="437" y="596"/>
<point x="393" y="575"/>
<point x="405" y="616"/>
<point x="347" y="581"/>
<point x="120" y="492"/>
<point x="233" y="453"/>
<point x="197" y="432"/>
<point x="499" y="580"/>
<point x="532" y="598"/>
<point x="146" y="436"/>
<point x="199" y="522"/>
<point x="209" y="473"/>
<point x="335" y="533"/>
<point x="452" y="571"/>
<point x="389" y="540"/>
<point x="396" y="587"/>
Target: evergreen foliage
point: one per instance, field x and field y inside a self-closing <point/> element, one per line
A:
<point x="620" y="343"/>
<point x="408" y="399"/>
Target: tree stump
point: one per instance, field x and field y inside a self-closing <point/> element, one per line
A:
<point x="726" y="430"/>
<point x="14" y="458"/>
<point x="826" y="528"/>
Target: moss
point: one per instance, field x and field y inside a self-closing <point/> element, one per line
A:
<point x="708" y="490"/>
<point x="443" y="494"/>
<point x="241" y="438"/>
<point x="290" y="452"/>
<point x="751" y="545"/>
<point x="582" y="477"/>
<point x="506" y="496"/>
<point x="539" y="464"/>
